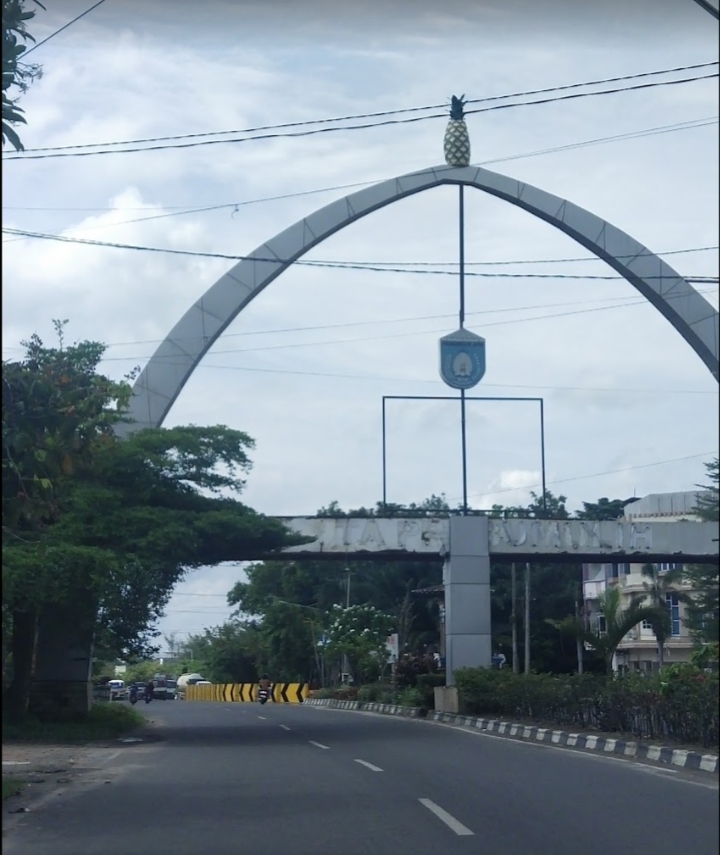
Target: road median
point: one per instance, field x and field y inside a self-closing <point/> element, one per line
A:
<point x="602" y="744"/>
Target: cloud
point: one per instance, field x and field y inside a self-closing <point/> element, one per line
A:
<point x="621" y="388"/>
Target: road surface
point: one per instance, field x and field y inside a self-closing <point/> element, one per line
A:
<point x="241" y="778"/>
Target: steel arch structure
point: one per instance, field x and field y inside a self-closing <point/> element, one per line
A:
<point x="161" y="381"/>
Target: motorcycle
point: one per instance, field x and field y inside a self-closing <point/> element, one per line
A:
<point x="263" y="695"/>
<point x="148" y="695"/>
<point x="133" y="696"/>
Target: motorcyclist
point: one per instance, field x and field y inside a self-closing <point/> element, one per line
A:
<point x="149" y="689"/>
<point x="265" y="684"/>
<point x="133" y="692"/>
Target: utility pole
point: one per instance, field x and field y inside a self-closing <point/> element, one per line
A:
<point x="578" y="640"/>
<point x="513" y="619"/>
<point x="527" y="617"/>
<point x="346" y="661"/>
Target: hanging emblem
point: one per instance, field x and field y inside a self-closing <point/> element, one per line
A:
<point x="462" y="359"/>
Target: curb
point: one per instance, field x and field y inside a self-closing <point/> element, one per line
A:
<point x="691" y="760"/>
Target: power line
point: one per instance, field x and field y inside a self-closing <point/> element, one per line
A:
<point x="376" y="322"/>
<point x="638" y="302"/>
<point x="594" y="474"/>
<point x="661" y="129"/>
<point x="622" y="391"/>
<point x="341" y="265"/>
<point x="177" y="210"/>
<point x="381" y="113"/>
<point x="57" y="32"/>
<point x="387" y="122"/>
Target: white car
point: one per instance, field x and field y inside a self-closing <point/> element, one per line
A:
<point x="118" y="691"/>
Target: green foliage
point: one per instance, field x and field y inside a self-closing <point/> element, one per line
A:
<point x="15" y="73"/>
<point x="56" y="409"/>
<point x="376" y="693"/>
<point x="104" y="721"/>
<point x="226" y="654"/>
<point x="101" y="528"/>
<point x="11" y="787"/>
<point x="603" y="509"/>
<point x="703" y="608"/>
<point x="426" y="685"/>
<point x="411" y="668"/>
<point x="680" y="704"/>
<point x="291" y="601"/>
<point x="360" y="633"/>
<point x="618" y="623"/>
<point x="411" y="696"/>
<point x="708" y="502"/>
<point x="658" y="586"/>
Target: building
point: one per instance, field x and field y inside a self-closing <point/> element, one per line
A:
<point x="638" y="651"/>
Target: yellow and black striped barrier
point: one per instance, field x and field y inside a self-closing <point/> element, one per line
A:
<point x="282" y="693"/>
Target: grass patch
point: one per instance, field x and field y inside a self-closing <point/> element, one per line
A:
<point x="104" y="721"/>
<point x="11" y="787"/>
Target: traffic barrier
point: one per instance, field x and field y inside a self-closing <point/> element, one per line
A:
<point x="282" y="693"/>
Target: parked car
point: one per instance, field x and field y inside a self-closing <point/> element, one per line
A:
<point x="170" y="690"/>
<point x="141" y="690"/>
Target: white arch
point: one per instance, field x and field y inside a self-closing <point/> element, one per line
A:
<point x="170" y="367"/>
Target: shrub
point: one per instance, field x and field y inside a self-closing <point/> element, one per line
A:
<point x="680" y="704"/>
<point x="426" y="684"/>
<point x="410" y="666"/>
<point x="411" y="696"/>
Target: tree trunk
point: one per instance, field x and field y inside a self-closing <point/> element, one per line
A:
<point x="527" y="618"/>
<point x="661" y="651"/>
<point x="513" y="620"/>
<point x="24" y="630"/>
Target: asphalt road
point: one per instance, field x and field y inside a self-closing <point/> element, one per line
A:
<point x="228" y="779"/>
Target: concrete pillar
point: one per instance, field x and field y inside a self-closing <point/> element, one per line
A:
<point x="62" y="679"/>
<point x="466" y="575"/>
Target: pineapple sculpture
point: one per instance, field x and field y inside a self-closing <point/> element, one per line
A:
<point x="457" y="139"/>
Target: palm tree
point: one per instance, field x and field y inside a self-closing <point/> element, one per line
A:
<point x="618" y="623"/>
<point x="658" y="587"/>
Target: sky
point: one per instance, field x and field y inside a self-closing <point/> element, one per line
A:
<point x="630" y="409"/>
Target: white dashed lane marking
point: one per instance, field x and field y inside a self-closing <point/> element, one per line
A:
<point x="370" y="766"/>
<point x="452" y="823"/>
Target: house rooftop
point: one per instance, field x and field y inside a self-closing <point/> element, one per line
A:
<point x="664" y="505"/>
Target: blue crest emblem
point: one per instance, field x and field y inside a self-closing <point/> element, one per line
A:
<point x="462" y="359"/>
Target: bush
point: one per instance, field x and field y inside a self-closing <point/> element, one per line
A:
<point x="104" y="721"/>
<point x="411" y="666"/>
<point x="376" y="693"/>
<point x="680" y="704"/>
<point x="341" y="693"/>
<point x="410" y="697"/>
<point x="426" y="684"/>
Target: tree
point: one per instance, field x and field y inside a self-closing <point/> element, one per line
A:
<point x="118" y="522"/>
<point x="359" y="633"/>
<point x="703" y="608"/>
<point x="226" y="653"/>
<point x="56" y="409"/>
<point x="15" y="73"/>
<point x="658" y="586"/>
<point x="617" y="624"/>
<point x="603" y="509"/>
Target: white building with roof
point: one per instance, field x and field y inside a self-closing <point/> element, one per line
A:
<point x="639" y="651"/>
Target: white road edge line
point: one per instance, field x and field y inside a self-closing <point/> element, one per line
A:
<point x="369" y="765"/>
<point x="284" y="727"/>
<point x="319" y="745"/>
<point x="452" y="823"/>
